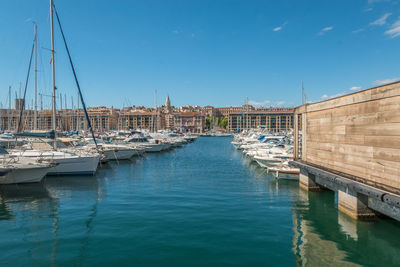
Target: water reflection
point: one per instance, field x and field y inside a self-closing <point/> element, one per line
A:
<point x="85" y="188"/>
<point x="31" y="200"/>
<point x="40" y="215"/>
<point x="323" y="236"/>
<point x="33" y="197"/>
<point x="74" y="186"/>
<point x="24" y="193"/>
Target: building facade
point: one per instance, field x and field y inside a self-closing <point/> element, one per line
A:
<point x="189" y="122"/>
<point x="271" y="119"/>
<point x="183" y="119"/>
<point x="137" y="120"/>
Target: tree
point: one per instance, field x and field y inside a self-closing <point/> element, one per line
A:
<point x="223" y="122"/>
<point x="208" y="122"/>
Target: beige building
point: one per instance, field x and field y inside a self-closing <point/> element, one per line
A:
<point x="189" y="122"/>
<point x="272" y="119"/>
<point x="137" y="120"/>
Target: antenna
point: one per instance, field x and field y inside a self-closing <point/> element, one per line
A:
<point x="41" y="101"/>
<point x="303" y="93"/>
<point x="9" y="108"/>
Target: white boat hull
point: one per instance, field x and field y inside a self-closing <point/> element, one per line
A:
<point x="75" y="166"/>
<point x="154" y="148"/>
<point x="118" y="154"/>
<point x="288" y="174"/>
<point x="267" y="163"/>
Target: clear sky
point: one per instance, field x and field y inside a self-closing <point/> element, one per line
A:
<point x="202" y="52"/>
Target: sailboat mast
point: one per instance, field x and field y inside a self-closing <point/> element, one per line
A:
<point x="54" y="123"/>
<point x="78" y="121"/>
<point x="35" y="114"/>
<point x="155" y="110"/>
<point x="155" y="101"/>
<point x="247" y="113"/>
<point x="9" y="108"/>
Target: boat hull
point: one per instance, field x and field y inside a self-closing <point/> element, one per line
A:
<point x="266" y="163"/>
<point x="285" y="174"/>
<point x="121" y="154"/>
<point x="75" y="166"/>
<point x="24" y="175"/>
<point x="154" y="148"/>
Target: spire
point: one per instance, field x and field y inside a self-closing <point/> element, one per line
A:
<point x="167" y="102"/>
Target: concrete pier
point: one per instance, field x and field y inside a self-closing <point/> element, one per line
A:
<point x="307" y="181"/>
<point x="355" y="199"/>
<point x="355" y="205"/>
<point x="350" y="202"/>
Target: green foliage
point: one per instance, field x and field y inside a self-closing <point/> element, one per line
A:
<point x="208" y="122"/>
<point x="214" y="122"/>
<point x="223" y="122"/>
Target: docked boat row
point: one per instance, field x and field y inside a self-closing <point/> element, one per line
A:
<point x="271" y="151"/>
<point x="26" y="157"/>
<point x="31" y="159"/>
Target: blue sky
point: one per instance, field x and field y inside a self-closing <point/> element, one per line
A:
<point x="202" y="52"/>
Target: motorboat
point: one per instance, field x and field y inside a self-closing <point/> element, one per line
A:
<point x="149" y="145"/>
<point x="284" y="171"/>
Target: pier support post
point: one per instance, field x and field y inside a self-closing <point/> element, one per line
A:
<point x="355" y="205"/>
<point x="307" y="181"/>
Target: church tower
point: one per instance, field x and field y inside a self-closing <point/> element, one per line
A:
<point x="167" y="102"/>
<point x="167" y="114"/>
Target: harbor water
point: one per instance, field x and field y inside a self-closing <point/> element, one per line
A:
<point x="200" y="205"/>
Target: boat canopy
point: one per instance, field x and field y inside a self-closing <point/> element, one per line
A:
<point x="3" y="151"/>
<point x="49" y="134"/>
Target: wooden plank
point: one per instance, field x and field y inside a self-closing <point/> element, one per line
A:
<point x="335" y="138"/>
<point x="383" y="141"/>
<point x="379" y="129"/>
<point x="339" y="130"/>
<point x="389" y="154"/>
<point x="354" y="159"/>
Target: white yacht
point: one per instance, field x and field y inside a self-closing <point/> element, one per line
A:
<point x="116" y="152"/>
<point x="142" y="141"/>
<point x="70" y="161"/>
<point x="109" y="151"/>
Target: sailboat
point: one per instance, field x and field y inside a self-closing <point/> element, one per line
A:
<point x="17" y="170"/>
<point x="69" y="162"/>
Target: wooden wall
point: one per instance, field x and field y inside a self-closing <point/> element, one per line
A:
<point x="357" y="134"/>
